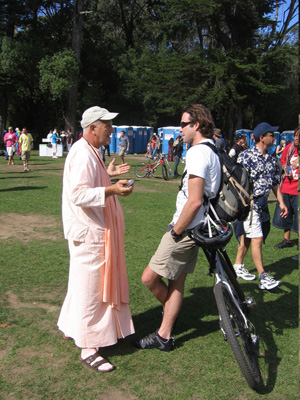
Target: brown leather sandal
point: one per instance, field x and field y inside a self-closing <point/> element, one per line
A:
<point x="88" y="361"/>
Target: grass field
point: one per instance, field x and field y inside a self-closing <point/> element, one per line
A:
<point x="36" y="363"/>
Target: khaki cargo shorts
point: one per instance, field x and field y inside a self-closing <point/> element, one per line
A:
<point x="173" y="259"/>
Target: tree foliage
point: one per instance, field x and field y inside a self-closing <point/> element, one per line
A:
<point x="147" y="59"/>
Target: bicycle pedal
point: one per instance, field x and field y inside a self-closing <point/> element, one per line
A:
<point x="249" y="301"/>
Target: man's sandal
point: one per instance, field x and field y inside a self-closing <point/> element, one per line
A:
<point x="89" y="360"/>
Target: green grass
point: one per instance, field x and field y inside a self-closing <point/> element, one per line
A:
<point x="36" y="363"/>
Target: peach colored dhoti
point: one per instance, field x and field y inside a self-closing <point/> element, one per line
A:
<point x="95" y="312"/>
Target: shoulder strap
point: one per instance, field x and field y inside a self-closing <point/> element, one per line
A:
<point x="212" y="147"/>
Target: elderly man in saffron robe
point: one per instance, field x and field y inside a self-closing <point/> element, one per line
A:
<point x="95" y="312"/>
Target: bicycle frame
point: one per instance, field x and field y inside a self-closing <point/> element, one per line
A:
<point x="221" y="276"/>
<point x="152" y="167"/>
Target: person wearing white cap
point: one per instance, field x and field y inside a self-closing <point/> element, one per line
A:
<point x="95" y="312"/>
<point x="264" y="175"/>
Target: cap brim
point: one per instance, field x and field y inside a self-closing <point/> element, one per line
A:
<point x="109" y="116"/>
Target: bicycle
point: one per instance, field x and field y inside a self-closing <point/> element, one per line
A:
<point x="142" y="169"/>
<point x="233" y="306"/>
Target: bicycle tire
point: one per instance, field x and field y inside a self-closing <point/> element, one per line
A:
<point x="239" y="336"/>
<point x="141" y="170"/>
<point x="236" y="286"/>
<point x="164" y="172"/>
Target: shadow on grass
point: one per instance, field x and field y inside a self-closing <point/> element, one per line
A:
<point x="200" y="304"/>
<point x="23" y="188"/>
<point x="271" y="319"/>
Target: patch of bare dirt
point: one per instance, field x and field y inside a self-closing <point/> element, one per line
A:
<point x="30" y="227"/>
<point x="15" y="303"/>
<point x="115" y="394"/>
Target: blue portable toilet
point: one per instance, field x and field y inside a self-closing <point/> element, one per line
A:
<point x="288" y="136"/>
<point x="112" y="145"/>
<point x="168" y="133"/>
<point x="129" y="133"/>
<point x="145" y="138"/>
<point x="137" y="139"/>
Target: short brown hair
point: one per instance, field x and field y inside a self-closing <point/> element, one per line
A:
<point x="199" y="113"/>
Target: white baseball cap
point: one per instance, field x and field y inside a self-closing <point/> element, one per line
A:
<point x="96" y="113"/>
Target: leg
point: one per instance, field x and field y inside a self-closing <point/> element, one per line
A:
<point x="172" y="306"/>
<point x="256" y="251"/>
<point x="243" y="247"/>
<point x="287" y="235"/>
<point x="155" y="284"/>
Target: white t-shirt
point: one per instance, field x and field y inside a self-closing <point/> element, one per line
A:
<point x="201" y="161"/>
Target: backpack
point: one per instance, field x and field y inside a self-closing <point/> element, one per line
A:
<point x="235" y="196"/>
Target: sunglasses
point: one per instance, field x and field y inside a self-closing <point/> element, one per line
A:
<point x="271" y="134"/>
<point x="184" y="124"/>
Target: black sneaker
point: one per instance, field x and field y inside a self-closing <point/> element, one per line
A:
<point x="154" y="341"/>
<point x="283" y="244"/>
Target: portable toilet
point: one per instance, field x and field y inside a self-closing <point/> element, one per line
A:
<point x="112" y="145"/>
<point x="145" y="138"/>
<point x="137" y="139"/>
<point x="288" y="136"/>
<point x="168" y="133"/>
<point x="129" y="133"/>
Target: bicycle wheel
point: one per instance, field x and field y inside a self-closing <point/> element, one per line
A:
<point x="165" y="172"/>
<point x="236" y="286"/>
<point x="238" y="334"/>
<point x="141" y="170"/>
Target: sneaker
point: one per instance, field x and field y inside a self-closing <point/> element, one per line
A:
<point x="154" y="341"/>
<point x="283" y="244"/>
<point x="295" y="258"/>
<point x="243" y="273"/>
<point x="267" y="282"/>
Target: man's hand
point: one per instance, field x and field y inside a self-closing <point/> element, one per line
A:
<point x="115" y="170"/>
<point x="284" y="210"/>
<point x="119" y="189"/>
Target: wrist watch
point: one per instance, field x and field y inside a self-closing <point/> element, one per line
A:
<point x="175" y="235"/>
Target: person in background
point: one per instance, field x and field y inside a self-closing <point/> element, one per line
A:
<point x="278" y="152"/>
<point x="178" y="150"/>
<point x="153" y="146"/>
<point x="54" y="140"/>
<point x="18" y="133"/>
<point x="70" y="139"/>
<point x="63" y="139"/>
<point x="25" y="143"/>
<point x="10" y="141"/>
<point x="239" y="146"/>
<point x="123" y="146"/>
<point x="264" y="175"/>
<point x="289" y="189"/>
<point x="170" y="149"/>
<point x="95" y="312"/>
<point x="218" y="139"/>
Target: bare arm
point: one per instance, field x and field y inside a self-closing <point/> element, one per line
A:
<point x="277" y="191"/>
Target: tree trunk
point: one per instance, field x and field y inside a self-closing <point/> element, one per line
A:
<point x="70" y="117"/>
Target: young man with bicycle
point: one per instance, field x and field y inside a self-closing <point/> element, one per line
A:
<point x="177" y="254"/>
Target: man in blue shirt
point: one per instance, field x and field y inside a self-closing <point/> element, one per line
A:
<point x="123" y="145"/>
<point x="54" y="139"/>
<point x="264" y="175"/>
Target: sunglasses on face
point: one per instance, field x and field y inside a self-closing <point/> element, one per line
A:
<point x="271" y="134"/>
<point x="184" y="124"/>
